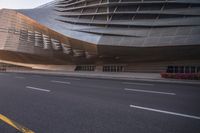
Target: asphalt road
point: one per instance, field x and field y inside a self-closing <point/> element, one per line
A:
<point x="53" y="104"/>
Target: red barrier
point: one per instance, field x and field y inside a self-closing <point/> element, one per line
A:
<point x="192" y="76"/>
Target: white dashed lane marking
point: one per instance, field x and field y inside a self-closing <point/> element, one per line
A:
<point x="165" y="112"/>
<point x="149" y="91"/>
<point x="38" y="89"/>
<point x="19" y="77"/>
<point x="60" y="82"/>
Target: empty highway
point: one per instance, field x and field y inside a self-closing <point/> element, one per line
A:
<point x="58" y="104"/>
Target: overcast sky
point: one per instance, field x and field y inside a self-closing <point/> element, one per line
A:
<point x="21" y="4"/>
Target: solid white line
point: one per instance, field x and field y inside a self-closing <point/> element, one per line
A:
<point x="147" y="91"/>
<point x="131" y="83"/>
<point x="165" y="112"/>
<point x="39" y="89"/>
<point x="61" y="82"/>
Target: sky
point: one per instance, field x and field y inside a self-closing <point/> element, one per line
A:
<point x="22" y="4"/>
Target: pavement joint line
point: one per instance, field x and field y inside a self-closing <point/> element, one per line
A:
<point x="166" y="112"/>
<point x="72" y="78"/>
<point x="36" y="76"/>
<point x="61" y="82"/>
<point x="131" y="83"/>
<point x="38" y="89"/>
<point x="149" y="91"/>
<point x="15" y="125"/>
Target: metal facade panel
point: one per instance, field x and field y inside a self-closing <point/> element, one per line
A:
<point x="75" y="31"/>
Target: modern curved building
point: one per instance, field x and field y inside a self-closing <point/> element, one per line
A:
<point x="103" y="35"/>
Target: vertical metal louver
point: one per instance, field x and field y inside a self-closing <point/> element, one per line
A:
<point x="23" y="35"/>
<point x="67" y="49"/>
<point x="38" y="39"/>
<point x="31" y="36"/>
<point x="46" y="41"/>
<point x="56" y="44"/>
<point x="78" y="53"/>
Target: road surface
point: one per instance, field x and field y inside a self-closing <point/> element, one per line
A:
<point x="53" y="104"/>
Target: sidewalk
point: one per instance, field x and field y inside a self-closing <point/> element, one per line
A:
<point x="148" y="77"/>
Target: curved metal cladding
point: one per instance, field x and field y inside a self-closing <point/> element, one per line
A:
<point x="124" y="23"/>
<point x="25" y="40"/>
<point x="135" y="23"/>
<point x="123" y="31"/>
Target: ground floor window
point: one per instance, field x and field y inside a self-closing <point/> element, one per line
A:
<point x="85" y="68"/>
<point x="198" y="69"/>
<point x="183" y="69"/>
<point x="113" y="68"/>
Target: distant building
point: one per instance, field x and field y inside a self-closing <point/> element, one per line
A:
<point x="103" y="35"/>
